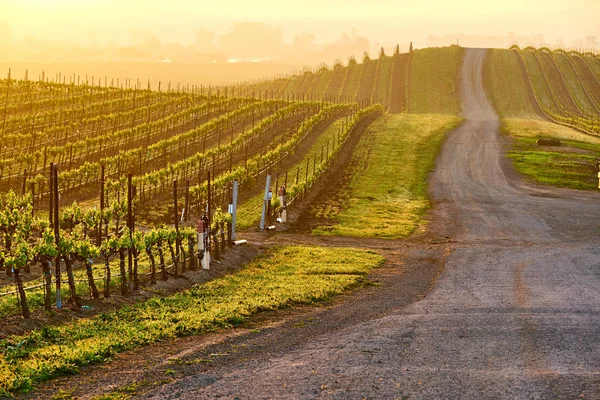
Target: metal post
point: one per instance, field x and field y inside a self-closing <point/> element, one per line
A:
<point x="265" y="201"/>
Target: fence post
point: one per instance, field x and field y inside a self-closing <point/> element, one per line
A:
<point x="56" y="235"/>
<point x="130" y="226"/>
<point x="176" y="220"/>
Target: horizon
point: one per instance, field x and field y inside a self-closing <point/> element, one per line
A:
<point x="299" y="34"/>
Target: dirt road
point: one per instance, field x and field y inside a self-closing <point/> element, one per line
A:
<point x="515" y="313"/>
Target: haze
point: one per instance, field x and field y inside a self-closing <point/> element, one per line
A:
<point x="289" y="34"/>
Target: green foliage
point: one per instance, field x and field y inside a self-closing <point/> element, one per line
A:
<point x="16" y="224"/>
<point x="285" y="276"/>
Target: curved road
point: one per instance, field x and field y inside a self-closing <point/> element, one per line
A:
<point x="515" y="314"/>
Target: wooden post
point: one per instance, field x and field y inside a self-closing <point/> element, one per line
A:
<point x="130" y="226"/>
<point x="24" y="187"/>
<point x="209" y="216"/>
<point x="51" y="195"/>
<point x="6" y="102"/>
<point x="187" y="201"/>
<point x="56" y="235"/>
<point x="32" y="188"/>
<point x="99" y="236"/>
<point x="176" y="220"/>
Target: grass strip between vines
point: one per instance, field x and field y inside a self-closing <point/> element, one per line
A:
<point x="387" y="193"/>
<point x="281" y="277"/>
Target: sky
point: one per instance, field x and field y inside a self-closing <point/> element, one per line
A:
<point x="382" y="22"/>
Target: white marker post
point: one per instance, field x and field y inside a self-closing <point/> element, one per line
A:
<point x="234" y="209"/>
<point x="200" y="238"/>
<point x="265" y="203"/>
<point x="283" y="200"/>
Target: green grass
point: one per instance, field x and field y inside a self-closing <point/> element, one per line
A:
<point x="572" y="165"/>
<point x="249" y="212"/>
<point x="381" y="94"/>
<point x="284" y="276"/>
<point x="434" y="80"/>
<point x="507" y="86"/>
<point x="388" y="191"/>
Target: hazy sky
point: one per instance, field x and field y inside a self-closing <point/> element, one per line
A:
<point x="382" y="21"/>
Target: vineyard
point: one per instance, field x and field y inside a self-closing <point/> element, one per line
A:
<point x="107" y="189"/>
<point x="102" y="185"/>
<point x="564" y="85"/>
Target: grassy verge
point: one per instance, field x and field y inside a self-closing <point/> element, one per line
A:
<point x="434" y="80"/>
<point x="388" y="191"/>
<point x="572" y="165"/>
<point x="507" y="86"/>
<point x="283" y="277"/>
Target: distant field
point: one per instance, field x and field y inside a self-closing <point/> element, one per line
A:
<point x="434" y="81"/>
<point x="507" y="86"/>
<point x="382" y="91"/>
<point x="352" y="81"/>
<point x="194" y="74"/>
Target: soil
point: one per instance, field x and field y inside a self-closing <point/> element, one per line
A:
<point x="499" y="298"/>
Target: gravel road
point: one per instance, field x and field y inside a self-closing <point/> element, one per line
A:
<point x="514" y="314"/>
